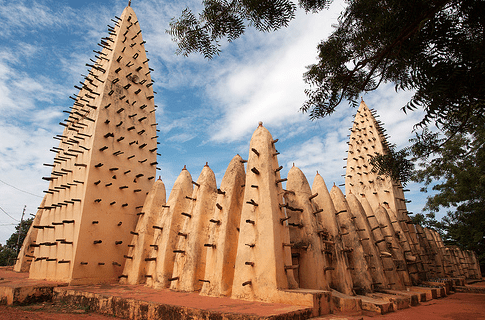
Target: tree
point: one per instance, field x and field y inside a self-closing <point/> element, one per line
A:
<point x="8" y="252"/>
<point x="435" y="48"/>
<point x="460" y="170"/>
<point x="228" y="19"/>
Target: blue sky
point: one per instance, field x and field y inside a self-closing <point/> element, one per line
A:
<point x="207" y="111"/>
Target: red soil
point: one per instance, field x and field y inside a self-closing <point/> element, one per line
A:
<point x="49" y="311"/>
<point x="458" y="306"/>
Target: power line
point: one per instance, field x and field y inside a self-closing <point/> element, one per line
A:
<point x="21" y="189"/>
<point x="8" y="214"/>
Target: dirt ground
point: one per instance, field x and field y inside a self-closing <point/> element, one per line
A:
<point x="458" y="306"/>
<point x="49" y="311"/>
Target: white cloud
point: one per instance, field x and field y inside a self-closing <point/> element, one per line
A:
<point x="267" y="84"/>
<point x="26" y="135"/>
<point x="181" y="138"/>
<point x="27" y="16"/>
<point x="22" y="152"/>
<point x="322" y="152"/>
<point x="388" y="104"/>
<point x="208" y="109"/>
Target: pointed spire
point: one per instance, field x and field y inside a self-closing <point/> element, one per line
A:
<point x="226" y="218"/>
<point x="129" y="3"/>
<point x="189" y="267"/>
<point x="101" y="123"/>
<point x="263" y="224"/>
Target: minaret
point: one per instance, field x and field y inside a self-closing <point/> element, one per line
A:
<point x="367" y="139"/>
<point x="223" y="232"/>
<point x="138" y="258"/>
<point x="167" y="229"/>
<point x="104" y="165"/>
<point x="307" y="247"/>
<point x="263" y="265"/>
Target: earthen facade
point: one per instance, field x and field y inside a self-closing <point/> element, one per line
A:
<point x="105" y="217"/>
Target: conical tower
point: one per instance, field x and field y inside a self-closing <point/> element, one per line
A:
<point x="358" y="265"/>
<point x="191" y="252"/>
<point x="368" y="139"/>
<point x="384" y="241"/>
<point x="223" y="232"/>
<point x="138" y="259"/>
<point x="307" y="248"/>
<point x="366" y="236"/>
<point x="104" y="165"/>
<point x="338" y="273"/>
<point x="263" y="263"/>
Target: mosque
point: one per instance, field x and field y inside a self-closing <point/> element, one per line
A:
<point x="106" y="218"/>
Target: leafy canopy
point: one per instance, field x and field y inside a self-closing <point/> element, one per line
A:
<point x="435" y="48"/>
<point x="8" y="252"/>
<point x="228" y="19"/>
<point x="460" y="170"/>
<point x="432" y="47"/>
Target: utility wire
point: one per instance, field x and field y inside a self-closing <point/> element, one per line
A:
<point x="35" y="195"/>
<point x="8" y="214"/>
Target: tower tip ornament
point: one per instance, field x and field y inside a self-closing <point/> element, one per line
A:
<point x="129" y="3"/>
<point x="260" y="123"/>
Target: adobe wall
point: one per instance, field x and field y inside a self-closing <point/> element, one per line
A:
<point x="104" y="165"/>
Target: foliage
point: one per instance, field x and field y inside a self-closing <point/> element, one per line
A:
<point x="428" y="220"/>
<point x="434" y="48"/>
<point x="228" y="19"/>
<point x="394" y="164"/>
<point x="8" y="252"/>
<point x="460" y="170"/>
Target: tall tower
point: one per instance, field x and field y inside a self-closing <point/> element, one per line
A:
<point x="368" y="139"/>
<point x="104" y="166"/>
<point x="264" y="265"/>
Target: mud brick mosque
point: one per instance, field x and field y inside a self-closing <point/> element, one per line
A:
<point x="105" y="217"/>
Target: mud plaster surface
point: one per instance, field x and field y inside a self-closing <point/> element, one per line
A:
<point x="459" y="306"/>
